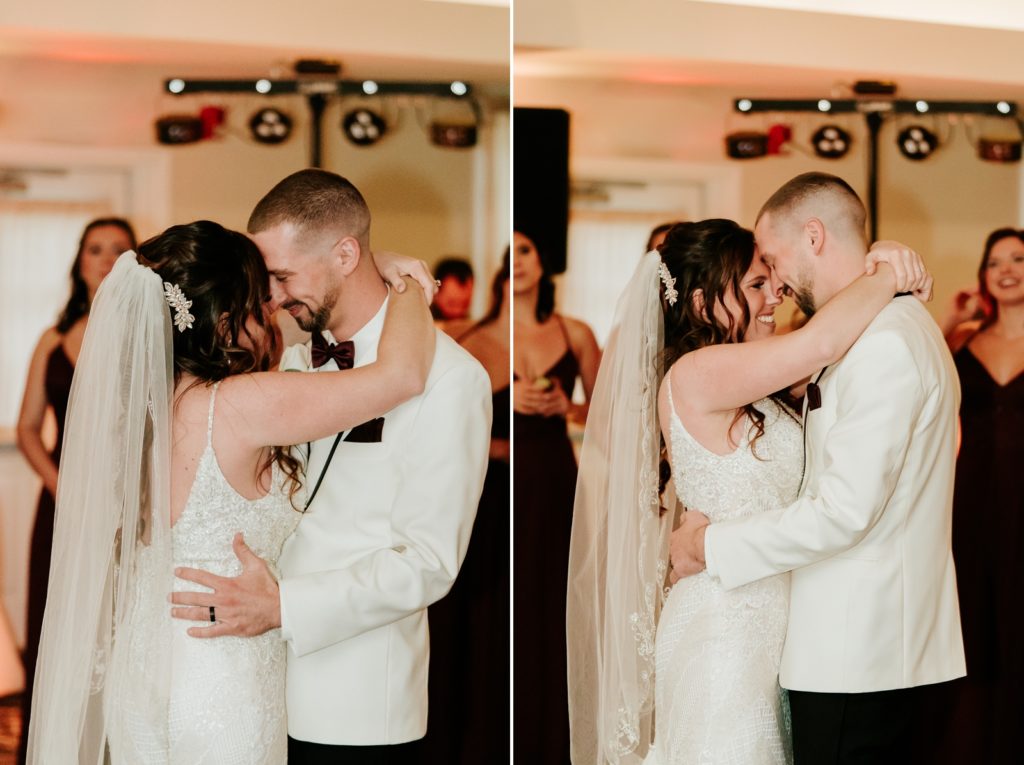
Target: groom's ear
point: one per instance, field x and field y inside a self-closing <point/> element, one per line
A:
<point x="814" y="235"/>
<point x="349" y="253"/>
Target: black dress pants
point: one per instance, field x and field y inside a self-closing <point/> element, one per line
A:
<point x="307" y="753"/>
<point x="854" y="728"/>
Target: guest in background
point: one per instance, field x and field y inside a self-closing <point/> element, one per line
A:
<point x="658" y="234"/>
<point x="550" y="352"/>
<point x="47" y="387"/>
<point x="455" y="294"/>
<point x="469" y="628"/>
<point x="988" y="511"/>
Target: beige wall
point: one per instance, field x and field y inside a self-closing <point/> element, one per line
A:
<point x="421" y="195"/>
<point x="943" y="206"/>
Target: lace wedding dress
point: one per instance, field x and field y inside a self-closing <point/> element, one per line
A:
<point x="227" y="694"/>
<point x="717" y="694"/>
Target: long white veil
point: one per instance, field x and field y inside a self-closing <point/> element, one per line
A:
<point x="111" y="568"/>
<point x="619" y="550"/>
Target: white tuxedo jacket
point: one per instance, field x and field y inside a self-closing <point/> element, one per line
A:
<point x="873" y="604"/>
<point x="382" y="540"/>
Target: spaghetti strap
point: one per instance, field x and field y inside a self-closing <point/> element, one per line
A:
<point x="565" y="332"/>
<point x="209" y="417"/>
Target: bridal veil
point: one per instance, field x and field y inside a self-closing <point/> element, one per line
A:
<point x="112" y="547"/>
<point x="619" y="550"/>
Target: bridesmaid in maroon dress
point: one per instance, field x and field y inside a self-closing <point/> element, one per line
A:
<point x="468" y="719"/>
<point x="987" y="706"/>
<point x="550" y="352"/>
<point x="48" y="386"/>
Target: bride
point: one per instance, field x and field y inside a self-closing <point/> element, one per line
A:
<point x="693" y="678"/>
<point x="173" y="445"/>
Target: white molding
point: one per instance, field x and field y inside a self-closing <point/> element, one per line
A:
<point x="149" y="173"/>
<point x="721" y="181"/>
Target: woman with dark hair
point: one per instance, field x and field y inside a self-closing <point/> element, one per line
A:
<point x="550" y="352"/>
<point x="176" y="447"/>
<point x="469" y="627"/>
<point x="47" y="387"/>
<point x="698" y="315"/>
<point x="658" y="234"/>
<point x="988" y="510"/>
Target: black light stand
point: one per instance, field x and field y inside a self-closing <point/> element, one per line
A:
<point x="318" y="92"/>
<point x="875" y="112"/>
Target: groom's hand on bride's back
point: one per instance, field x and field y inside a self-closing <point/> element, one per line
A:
<point x="686" y="547"/>
<point x="246" y="605"/>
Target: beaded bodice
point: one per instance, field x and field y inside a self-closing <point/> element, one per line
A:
<point x="748" y="480"/>
<point x="215" y="512"/>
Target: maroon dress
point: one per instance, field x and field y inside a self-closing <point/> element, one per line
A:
<point x="543" y="493"/>
<point x="57" y="382"/>
<point x="982" y="719"/>
<point x="468" y="720"/>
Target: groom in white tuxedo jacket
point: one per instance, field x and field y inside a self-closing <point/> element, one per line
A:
<point x="390" y="504"/>
<point x="873" y="614"/>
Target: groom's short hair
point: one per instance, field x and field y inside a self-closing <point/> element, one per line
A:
<point x="314" y="200"/>
<point x="814" y="190"/>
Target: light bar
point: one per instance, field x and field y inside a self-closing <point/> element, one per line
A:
<point x="897" y="106"/>
<point x="180" y="86"/>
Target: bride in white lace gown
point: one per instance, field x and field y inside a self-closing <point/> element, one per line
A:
<point x="165" y="461"/>
<point x="718" y="651"/>
<point x="693" y="679"/>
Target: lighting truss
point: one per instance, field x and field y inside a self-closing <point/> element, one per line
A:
<point x="875" y="111"/>
<point x="318" y="90"/>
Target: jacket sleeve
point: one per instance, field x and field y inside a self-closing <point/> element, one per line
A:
<point x="441" y="477"/>
<point x="880" y="397"/>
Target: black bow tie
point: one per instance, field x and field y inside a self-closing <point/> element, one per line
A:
<point x="343" y="353"/>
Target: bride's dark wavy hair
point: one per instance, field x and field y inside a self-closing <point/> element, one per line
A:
<point x="223" y="274"/>
<point x="712" y="257"/>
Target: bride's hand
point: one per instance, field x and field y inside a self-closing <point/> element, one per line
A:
<point x="908" y="268"/>
<point x="392" y="267"/>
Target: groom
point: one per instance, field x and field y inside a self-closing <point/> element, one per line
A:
<point x="873" y="607"/>
<point x="390" y="503"/>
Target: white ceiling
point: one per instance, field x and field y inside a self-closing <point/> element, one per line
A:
<point x="763" y="51"/>
<point x="414" y="39"/>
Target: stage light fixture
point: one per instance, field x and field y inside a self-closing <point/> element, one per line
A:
<point x="178" y="129"/>
<point x="459" y="88"/>
<point x="746" y="145"/>
<point x="270" y="125"/>
<point x="831" y="142"/>
<point x="1003" y="107"/>
<point x="824" y="105"/>
<point x="452" y="136"/>
<point x="176" y="85"/>
<point x="370" y="87"/>
<point x="921" y="106"/>
<point x="917" y="142"/>
<point x="263" y="86"/>
<point x="744" y="104"/>
<point x="363" y="127"/>
<point x="999" y="150"/>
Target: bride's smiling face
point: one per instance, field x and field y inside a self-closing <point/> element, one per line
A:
<point x="763" y="292"/>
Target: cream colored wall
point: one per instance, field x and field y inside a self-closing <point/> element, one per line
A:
<point x="944" y="206"/>
<point x="421" y="195"/>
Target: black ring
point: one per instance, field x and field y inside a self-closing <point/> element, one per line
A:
<point x="213" y="615"/>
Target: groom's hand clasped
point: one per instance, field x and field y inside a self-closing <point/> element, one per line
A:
<point x="686" y="548"/>
<point x="245" y="606"/>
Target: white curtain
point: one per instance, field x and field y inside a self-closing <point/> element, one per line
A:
<point x="38" y="241"/>
<point x="603" y="252"/>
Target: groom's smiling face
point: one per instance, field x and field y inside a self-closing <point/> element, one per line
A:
<point x="302" y="280"/>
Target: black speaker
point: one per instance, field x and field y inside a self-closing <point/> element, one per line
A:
<point x="540" y="181"/>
